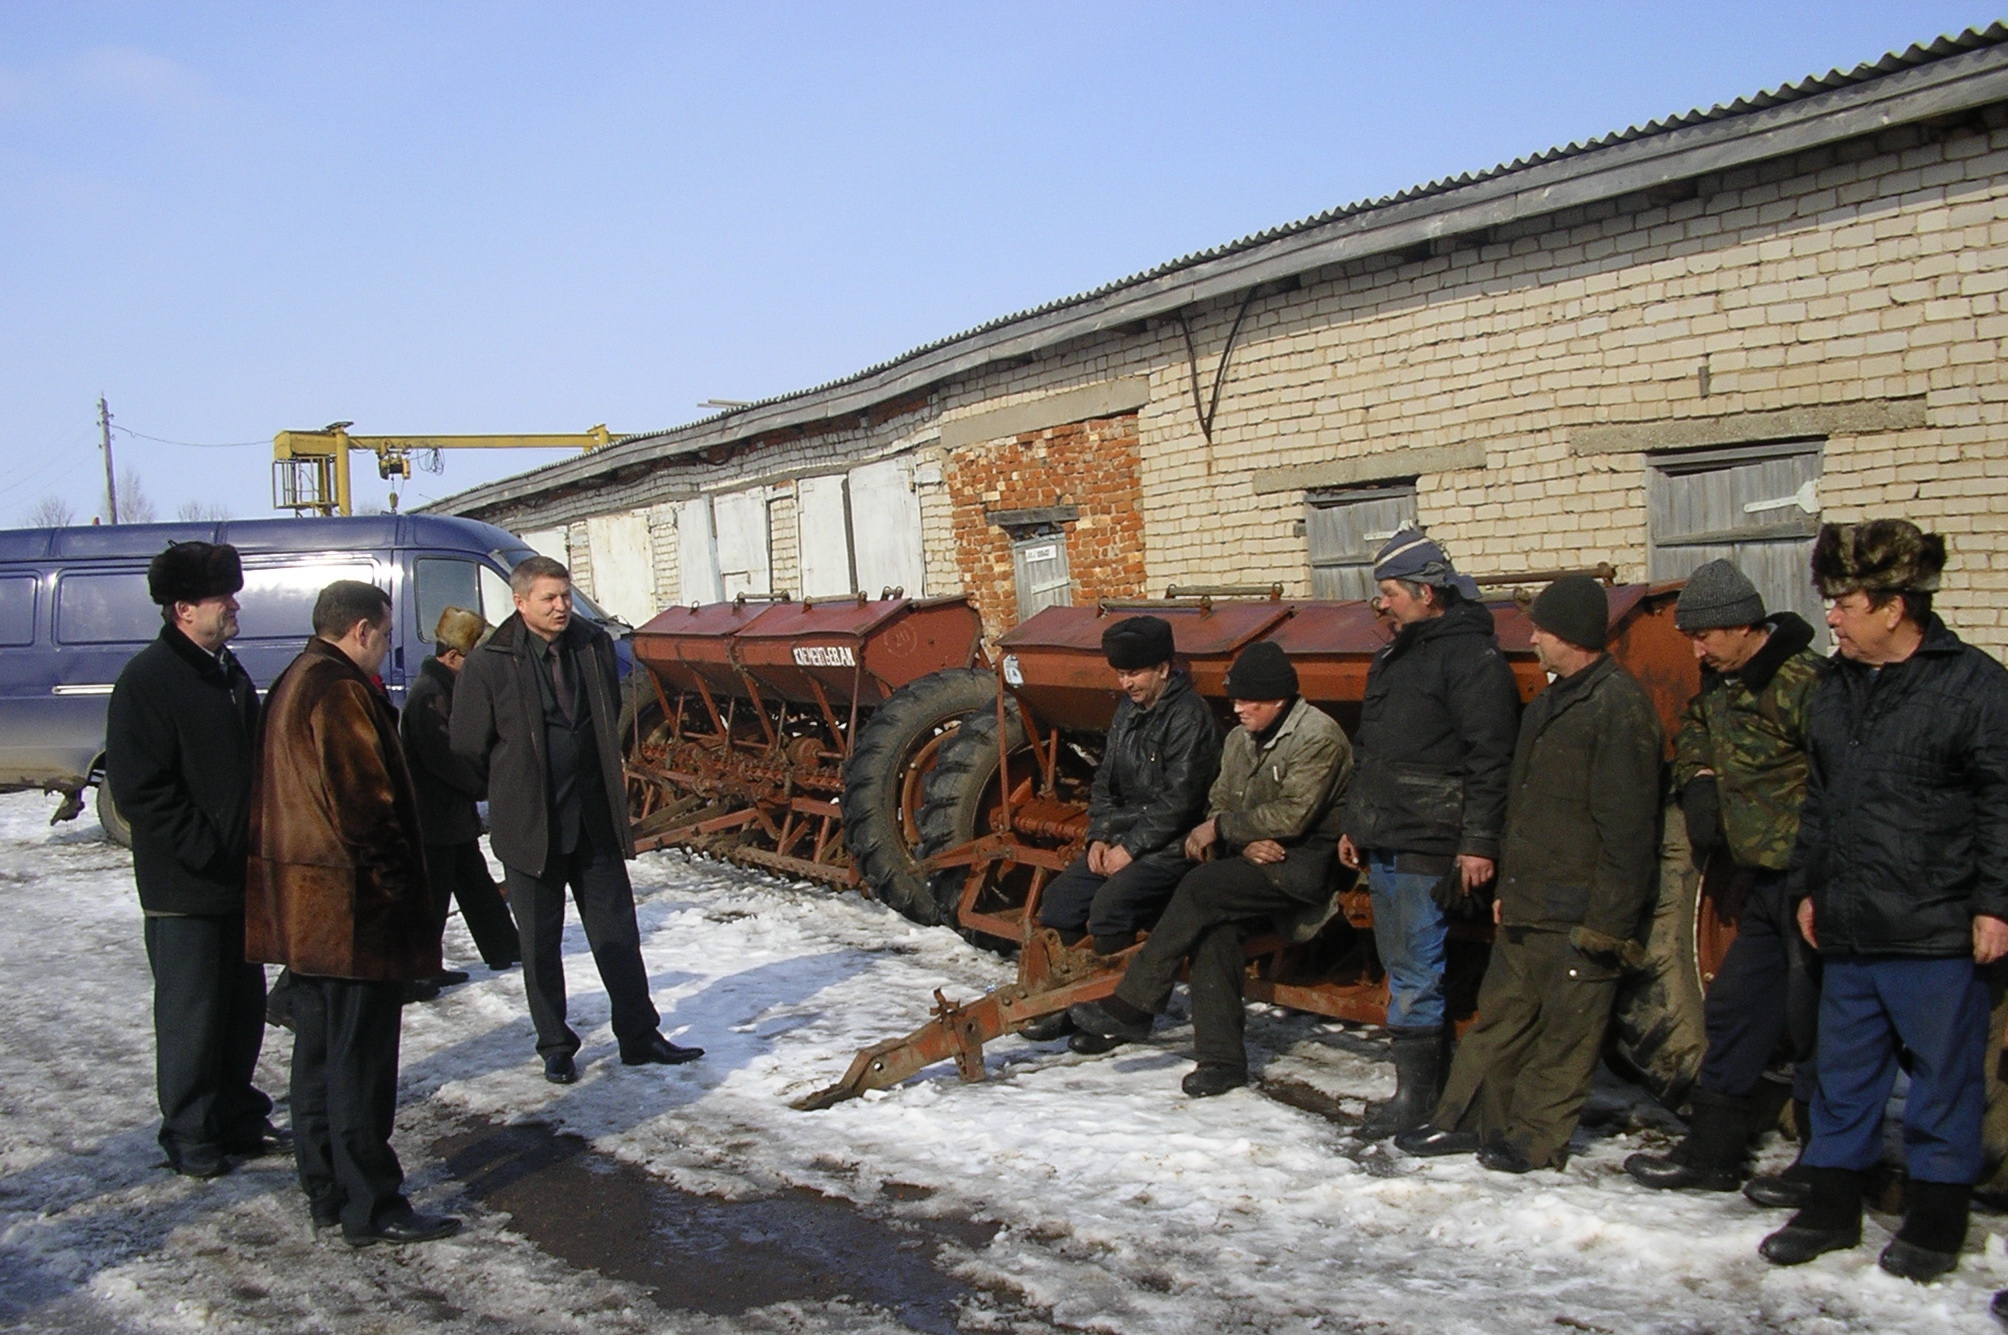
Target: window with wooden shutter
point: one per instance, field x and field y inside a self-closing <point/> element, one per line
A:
<point x="1343" y="530"/>
<point x="1757" y="506"/>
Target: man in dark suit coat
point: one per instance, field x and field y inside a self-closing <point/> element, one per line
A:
<point x="179" y="739"/>
<point x="535" y="713"/>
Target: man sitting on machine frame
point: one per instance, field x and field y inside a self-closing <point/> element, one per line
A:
<point x="1150" y="788"/>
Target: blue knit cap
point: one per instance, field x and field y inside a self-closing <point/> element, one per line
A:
<point x="1411" y="555"/>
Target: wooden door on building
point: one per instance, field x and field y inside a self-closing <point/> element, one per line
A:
<point x="1044" y="579"/>
<point x="623" y="565"/>
<point x="745" y="561"/>
<point x="885" y="527"/>
<point x="696" y="557"/>
<point x="1344" y="529"/>
<point x="823" y="526"/>
<point x="1758" y="506"/>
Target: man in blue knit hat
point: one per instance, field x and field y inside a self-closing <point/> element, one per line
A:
<point x="1428" y="797"/>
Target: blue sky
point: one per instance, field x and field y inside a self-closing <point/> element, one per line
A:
<point x="232" y="219"/>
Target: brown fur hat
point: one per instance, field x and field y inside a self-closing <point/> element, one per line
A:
<point x="1878" y="555"/>
<point x="460" y="629"/>
<point x="188" y="572"/>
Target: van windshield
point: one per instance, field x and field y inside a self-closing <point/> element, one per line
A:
<point x="514" y="556"/>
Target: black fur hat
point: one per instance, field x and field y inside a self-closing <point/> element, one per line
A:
<point x="188" y="572"/>
<point x="1135" y="643"/>
<point x="1878" y="555"/>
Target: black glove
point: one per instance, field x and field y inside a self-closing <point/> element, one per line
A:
<point x="1451" y="896"/>
<point x="1701" y="803"/>
<point x="1617" y="952"/>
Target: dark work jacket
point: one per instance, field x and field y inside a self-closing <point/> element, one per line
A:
<point x="1582" y="821"/>
<point x="1904" y="834"/>
<point x="446" y="785"/>
<point x="1150" y="788"/>
<point x="499" y="728"/>
<point x="1435" y="740"/>
<point x="1289" y="787"/>
<point x="181" y="735"/>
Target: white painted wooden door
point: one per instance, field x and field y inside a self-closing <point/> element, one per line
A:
<point x="696" y="557"/>
<point x="623" y="565"/>
<point x="885" y="512"/>
<point x="744" y="560"/>
<point x="823" y="519"/>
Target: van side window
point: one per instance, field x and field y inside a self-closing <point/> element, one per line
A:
<point x="444" y="583"/>
<point x="105" y="609"/>
<point x="277" y="602"/>
<point x="17" y="611"/>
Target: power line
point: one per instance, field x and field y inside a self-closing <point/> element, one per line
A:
<point x="192" y="444"/>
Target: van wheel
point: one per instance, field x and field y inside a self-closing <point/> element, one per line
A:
<point x="1657" y="1034"/>
<point x="891" y="756"/>
<point x="116" y="828"/>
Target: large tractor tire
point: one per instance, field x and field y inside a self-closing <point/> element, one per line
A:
<point x="1657" y="1035"/>
<point x="117" y="828"/>
<point x="890" y="760"/>
<point x="961" y="796"/>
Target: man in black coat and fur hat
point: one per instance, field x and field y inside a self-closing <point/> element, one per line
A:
<point x="1901" y="878"/>
<point x="180" y="735"/>
<point x="1162" y="752"/>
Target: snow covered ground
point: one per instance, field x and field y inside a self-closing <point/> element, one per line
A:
<point x="1121" y="1205"/>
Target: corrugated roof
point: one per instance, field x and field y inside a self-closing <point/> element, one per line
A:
<point x="1924" y="54"/>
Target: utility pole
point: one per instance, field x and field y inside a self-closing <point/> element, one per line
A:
<point x="111" y="476"/>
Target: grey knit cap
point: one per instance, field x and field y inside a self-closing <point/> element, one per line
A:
<point x="1718" y="594"/>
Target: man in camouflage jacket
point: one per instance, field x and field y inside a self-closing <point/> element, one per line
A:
<point x="1739" y="764"/>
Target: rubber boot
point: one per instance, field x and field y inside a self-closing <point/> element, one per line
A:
<point x="1418" y="1073"/>
<point x="1711" y="1156"/>
<point x="1830" y="1220"/>
<point x="1934" y="1229"/>
<point x="1786" y="1190"/>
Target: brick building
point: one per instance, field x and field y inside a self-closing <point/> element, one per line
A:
<point x="1696" y="338"/>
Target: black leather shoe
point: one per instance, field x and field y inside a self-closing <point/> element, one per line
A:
<point x="411" y="1227"/>
<point x="1092" y="1045"/>
<point x="420" y="989"/>
<point x="1210" y="1078"/>
<point x="559" y="1069"/>
<point x="1792" y="1245"/>
<point x="1664" y="1172"/>
<point x="657" y="1050"/>
<point x="1907" y="1260"/>
<point x="1778" y="1191"/>
<point x="1048" y="1027"/>
<point x="199" y="1161"/>
<point x="1503" y="1156"/>
<point x="1428" y="1142"/>
<point x="1096" y="1018"/>
<point x="449" y="978"/>
<point x="324" y="1214"/>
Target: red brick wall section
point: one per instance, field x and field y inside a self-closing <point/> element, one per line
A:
<point x="1091" y="465"/>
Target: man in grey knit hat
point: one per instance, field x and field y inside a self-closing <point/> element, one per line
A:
<point x="1740" y="769"/>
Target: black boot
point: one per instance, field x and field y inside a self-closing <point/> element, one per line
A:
<point x="1710" y="1158"/>
<point x="1934" y="1229"/>
<point x="1830" y="1220"/>
<point x="1057" y="1024"/>
<point x="1418" y="1073"/>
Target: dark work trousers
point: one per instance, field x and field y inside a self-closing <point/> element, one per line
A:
<point x="1765" y="995"/>
<point x="1210" y="915"/>
<point x="599" y="883"/>
<point x="1119" y="905"/>
<point x="1937" y="1010"/>
<point x="345" y="1035"/>
<point x="208" y="1025"/>
<point x="459" y="872"/>
<point x="1523" y="1071"/>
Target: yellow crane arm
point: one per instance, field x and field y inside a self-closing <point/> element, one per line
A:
<point x="310" y="469"/>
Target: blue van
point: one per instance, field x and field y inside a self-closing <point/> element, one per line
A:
<point x="74" y="608"/>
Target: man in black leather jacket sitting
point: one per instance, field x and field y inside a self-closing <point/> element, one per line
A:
<point x="1162" y="753"/>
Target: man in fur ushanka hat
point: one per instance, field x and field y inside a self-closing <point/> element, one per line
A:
<point x="180" y="734"/>
<point x="1901" y="878"/>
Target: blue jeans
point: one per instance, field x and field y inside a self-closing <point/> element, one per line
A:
<point x="1409" y="934"/>
<point x="1937" y="1008"/>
